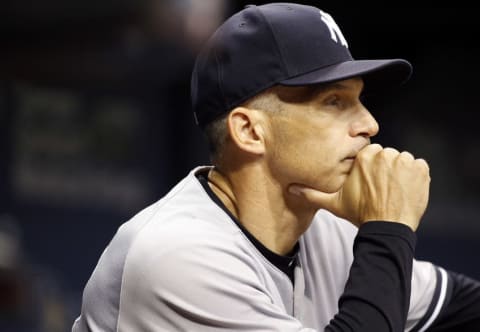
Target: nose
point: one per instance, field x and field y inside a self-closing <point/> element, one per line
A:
<point x="364" y="124"/>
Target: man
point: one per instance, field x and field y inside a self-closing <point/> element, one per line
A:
<point x="301" y="224"/>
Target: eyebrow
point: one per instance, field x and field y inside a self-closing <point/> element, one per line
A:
<point x="331" y="86"/>
<point x="295" y="94"/>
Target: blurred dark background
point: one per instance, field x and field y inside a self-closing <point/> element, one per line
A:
<point x="95" y="124"/>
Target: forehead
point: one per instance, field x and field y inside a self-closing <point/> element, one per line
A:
<point x="294" y="94"/>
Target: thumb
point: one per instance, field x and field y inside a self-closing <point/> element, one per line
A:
<point x="320" y="199"/>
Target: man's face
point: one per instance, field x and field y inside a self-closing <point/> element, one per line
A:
<point x="317" y="134"/>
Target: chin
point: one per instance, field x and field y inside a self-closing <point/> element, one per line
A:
<point x="334" y="185"/>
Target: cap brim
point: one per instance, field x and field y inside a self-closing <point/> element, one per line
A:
<point x="377" y="74"/>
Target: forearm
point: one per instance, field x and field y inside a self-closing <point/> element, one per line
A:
<point x="377" y="293"/>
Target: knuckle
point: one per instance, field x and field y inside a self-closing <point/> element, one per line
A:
<point x="388" y="154"/>
<point x="406" y="156"/>
<point x="391" y="151"/>
<point x="369" y="150"/>
<point x="422" y="164"/>
<point x="373" y="148"/>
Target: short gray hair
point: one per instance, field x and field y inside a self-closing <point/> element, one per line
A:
<point x="217" y="132"/>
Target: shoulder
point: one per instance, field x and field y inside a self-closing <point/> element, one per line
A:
<point x="185" y="214"/>
<point x="185" y="260"/>
<point x="181" y="235"/>
<point x="185" y="226"/>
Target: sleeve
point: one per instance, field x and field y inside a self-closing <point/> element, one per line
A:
<point x="377" y="293"/>
<point x="450" y="302"/>
<point x="210" y="286"/>
<point x="457" y="307"/>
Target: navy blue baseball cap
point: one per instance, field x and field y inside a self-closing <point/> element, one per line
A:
<point x="278" y="43"/>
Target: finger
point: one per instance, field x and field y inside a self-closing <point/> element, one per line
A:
<point x="387" y="156"/>
<point x="422" y="165"/>
<point x="422" y="162"/>
<point x="390" y="152"/>
<point x="369" y="151"/>
<point x="406" y="156"/>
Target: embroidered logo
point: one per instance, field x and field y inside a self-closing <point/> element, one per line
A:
<point x="335" y="31"/>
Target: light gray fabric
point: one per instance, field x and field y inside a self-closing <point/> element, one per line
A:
<point x="183" y="265"/>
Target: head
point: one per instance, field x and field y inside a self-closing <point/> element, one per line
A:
<point x="269" y="68"/>
<point x="308" y="134"/>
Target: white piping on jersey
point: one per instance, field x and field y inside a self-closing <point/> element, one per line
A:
<point x="441" y="299"/>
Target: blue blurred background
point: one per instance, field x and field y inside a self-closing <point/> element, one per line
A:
<point x="95" y="124"/>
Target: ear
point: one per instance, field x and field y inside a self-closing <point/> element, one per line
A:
<point x="247" y="128"/>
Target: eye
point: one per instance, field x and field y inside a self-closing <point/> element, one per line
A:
<point x="333" y="100"/>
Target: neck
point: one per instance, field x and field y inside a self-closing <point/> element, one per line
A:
<point x="222" y="187"/>
<point x="262" y="206"/>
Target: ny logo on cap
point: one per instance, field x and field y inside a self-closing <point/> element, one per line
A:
<point x="334" y="29"/>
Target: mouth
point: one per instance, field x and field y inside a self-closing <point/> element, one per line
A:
<point x="349" y="162"/>
<point x="353" y="154"/>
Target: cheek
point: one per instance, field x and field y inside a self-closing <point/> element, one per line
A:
<point x="332" y="182"/>
<point x="306" y="159"/>
<point x="322" y="163"/>
<point x="309" y="152"/>
<point x="327" y="173"/>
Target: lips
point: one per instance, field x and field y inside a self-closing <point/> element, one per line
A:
<point x="353" y="154"/>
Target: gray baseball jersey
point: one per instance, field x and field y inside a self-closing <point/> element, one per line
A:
<point x="183" y="264"/>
